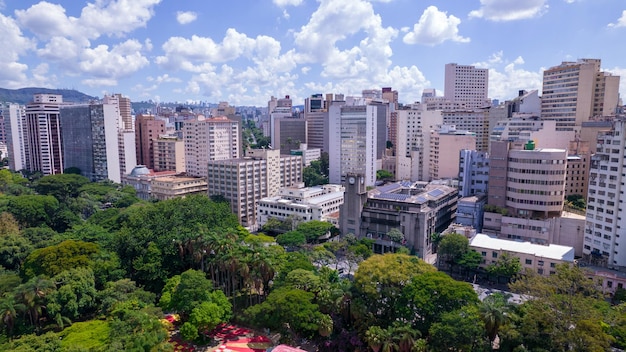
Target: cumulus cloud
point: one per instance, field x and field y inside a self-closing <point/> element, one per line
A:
<point x="435" y="27"/>
<point x="510" y="10"/>
<point x="283" y="3"/>
<point x="507" y="77"/>
<point x="14" y="45"/>
<point x="621" y="22"/>
<point x="333" y="22"/>
<point x="185" y="17"/>
<point x="108" y="65"/>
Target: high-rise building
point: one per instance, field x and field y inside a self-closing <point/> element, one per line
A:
<point x="316" y="116"/>
<point x="476" y="121"/>
<point x="147" y="129"/>
<point x="605" y="242"/>
<point x="126" y="131"/>
<point x="44" y="142"/>
<point x="288" y="133"/>
<point x="392" y="125"/>
<point x="169" y="154"/>
<point x="208" y="139"/>
<point x="14" y="122"/>
<point x="245" y="181"/>
<point x="467" y="84"/>
<point x="574" y="92"/>
<point x="445" y="144"/>
<point x="357" y="139"/>
<point x="90" y="140"/>
<point x="473" y="172"/>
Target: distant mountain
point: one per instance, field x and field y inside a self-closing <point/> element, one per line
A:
<point x="25" y="95"/>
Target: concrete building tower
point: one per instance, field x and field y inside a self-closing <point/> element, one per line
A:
<point x="208" y="139"/>
<point x="91" y="140"/>
<point x="445" y="144"/>
<point x="605" y="241"/>
<point x="44" y="143"/>
<point x="147" y="129"/>
<point x="574" y="92"/>
<point x="14" y="123"/>
<point x="467" y="84"/>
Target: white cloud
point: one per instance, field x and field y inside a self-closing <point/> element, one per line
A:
<point x="185" y="17"/>
<point x="99" y="82"/>
<point x="336" y="20"/>
<point x="107" y="65"/>
<point x="435" y="27"/>
<point x="619" y="71"/>
<point x="621" y="22"/>
<point x="506" y="77"/>
<point x="115" y="18"/>
<point x="14" y="45"/>
<point x="510" y="10"/>
<point x="59" y="49"/>
<point x="283" y="3"/>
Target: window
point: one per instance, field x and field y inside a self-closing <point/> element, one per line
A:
<point x="484" y="254"/>
<point x="494" y="255"/>
<point x="529" y="262"/>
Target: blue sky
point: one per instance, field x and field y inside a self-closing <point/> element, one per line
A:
<point x="244" y="51"/>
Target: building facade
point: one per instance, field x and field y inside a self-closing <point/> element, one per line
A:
<point x="207" y="139"/>
<point x="170" y="187"/>
<point x="169" y="154"/>
<point x="15" y="129"/>
<point x="473" y="173"/>
<point x="467" y="84"/>
<point x="44" y="141"/>
<point x="147" y="129"/>
<point x="446" y="142"/>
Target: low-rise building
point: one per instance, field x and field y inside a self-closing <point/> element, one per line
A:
<point x="140" y="178"/>
<point x="302" y="203"/>
<point x="541" y="259"/>
<point x="170" y="187"/>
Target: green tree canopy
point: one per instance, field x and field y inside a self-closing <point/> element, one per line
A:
<point x="33" y="210"/>
<point x="61" y="186"/>
<point x="452" y="247"/>
<point x="53" y="260"/>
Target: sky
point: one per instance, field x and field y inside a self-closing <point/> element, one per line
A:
<point x="245" y="51"/>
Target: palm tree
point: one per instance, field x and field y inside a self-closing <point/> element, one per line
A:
<point x="32" y="294"/>
<point x="494" y="311"/>
<point x="9" y="309"/>
<point x="405" y="337"/>
<point x="375" y="336"/>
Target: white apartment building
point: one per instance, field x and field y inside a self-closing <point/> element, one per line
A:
<point x="414" y="125"/>
<point x="467" y="84"/>
<point x="302" y="204"/>
<point x="245" y="181"/>
<point x="208" y="139"/>
<point x="541" y="259"/>
<point x="473" y="172"/>
<point x="307" y="154"/>
<point x="357" y="137"/>
<point x="605" y="240"/>
<point x="574" y="92"/>
<point x="15" y="130"/>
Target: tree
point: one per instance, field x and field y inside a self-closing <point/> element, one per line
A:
<point x="384" y="175"/>
<point x="564" y="311"/>
<point x="459" y="330"/>
<point x="291" y="239"/>
<point x="375" y="336"/>
<point x="395" y="235"/>
<point x="13" y="250"/>
<point x="8" y="224"/>
<point x="506" y="265"/>
<point x="33" y="210"/>
<point x="32" y="295"/>
<point x="314" y="229"/>
<point x="471" y="260"/>
<point x="75" y="295"/>
<point x="494" y="311"/>
<point x="137" y="330"/>
<point x="9" y="311"/>
<point x="61" y="186"/>
<point x="429" y="295"/>
<point x="53" y="260"/>
<point x="452" y="247"/>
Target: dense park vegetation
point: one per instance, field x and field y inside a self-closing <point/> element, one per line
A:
<point x="88" y="267"/>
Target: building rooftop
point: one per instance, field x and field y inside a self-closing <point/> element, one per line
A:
<point x="551" y="251"/>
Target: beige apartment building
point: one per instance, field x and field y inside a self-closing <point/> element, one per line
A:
<point x="445" y="144"/>
<point x="208" y="139"/>
<point x="169" y="154"/>
<point x="171" y="187"/>
<point x="245" y="181"/>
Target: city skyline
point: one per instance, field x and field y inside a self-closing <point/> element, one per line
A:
<point x="247" y="51"/>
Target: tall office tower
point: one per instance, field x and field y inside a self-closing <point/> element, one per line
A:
<point x="147" y="129"/>
<point x="605" y="241"/>
<point x="14" y="122"/>
<point x="44" y="142"/>
<point x="413" y="136"/>
<point x="574" y="92"/>
<point x="288" y="134"/>
<point x="445" y="144"/>
<point x="473" y="173"/>
<point x="208" y="139"/>
<point x="467" y="84"/>
<point x="316" y="116"/>
<point x="245" y="181"/>
<point x="357" y="138"/>
<point x="477" y="121"/>
<point x="126" y="132"/>
<point x="169" y="154"/>
<point x="392" y="125"/>
<point x="3" y="117"/>
<point x="91" y="140"/>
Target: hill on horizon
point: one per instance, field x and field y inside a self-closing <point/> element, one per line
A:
<point x="25" y="95"/>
